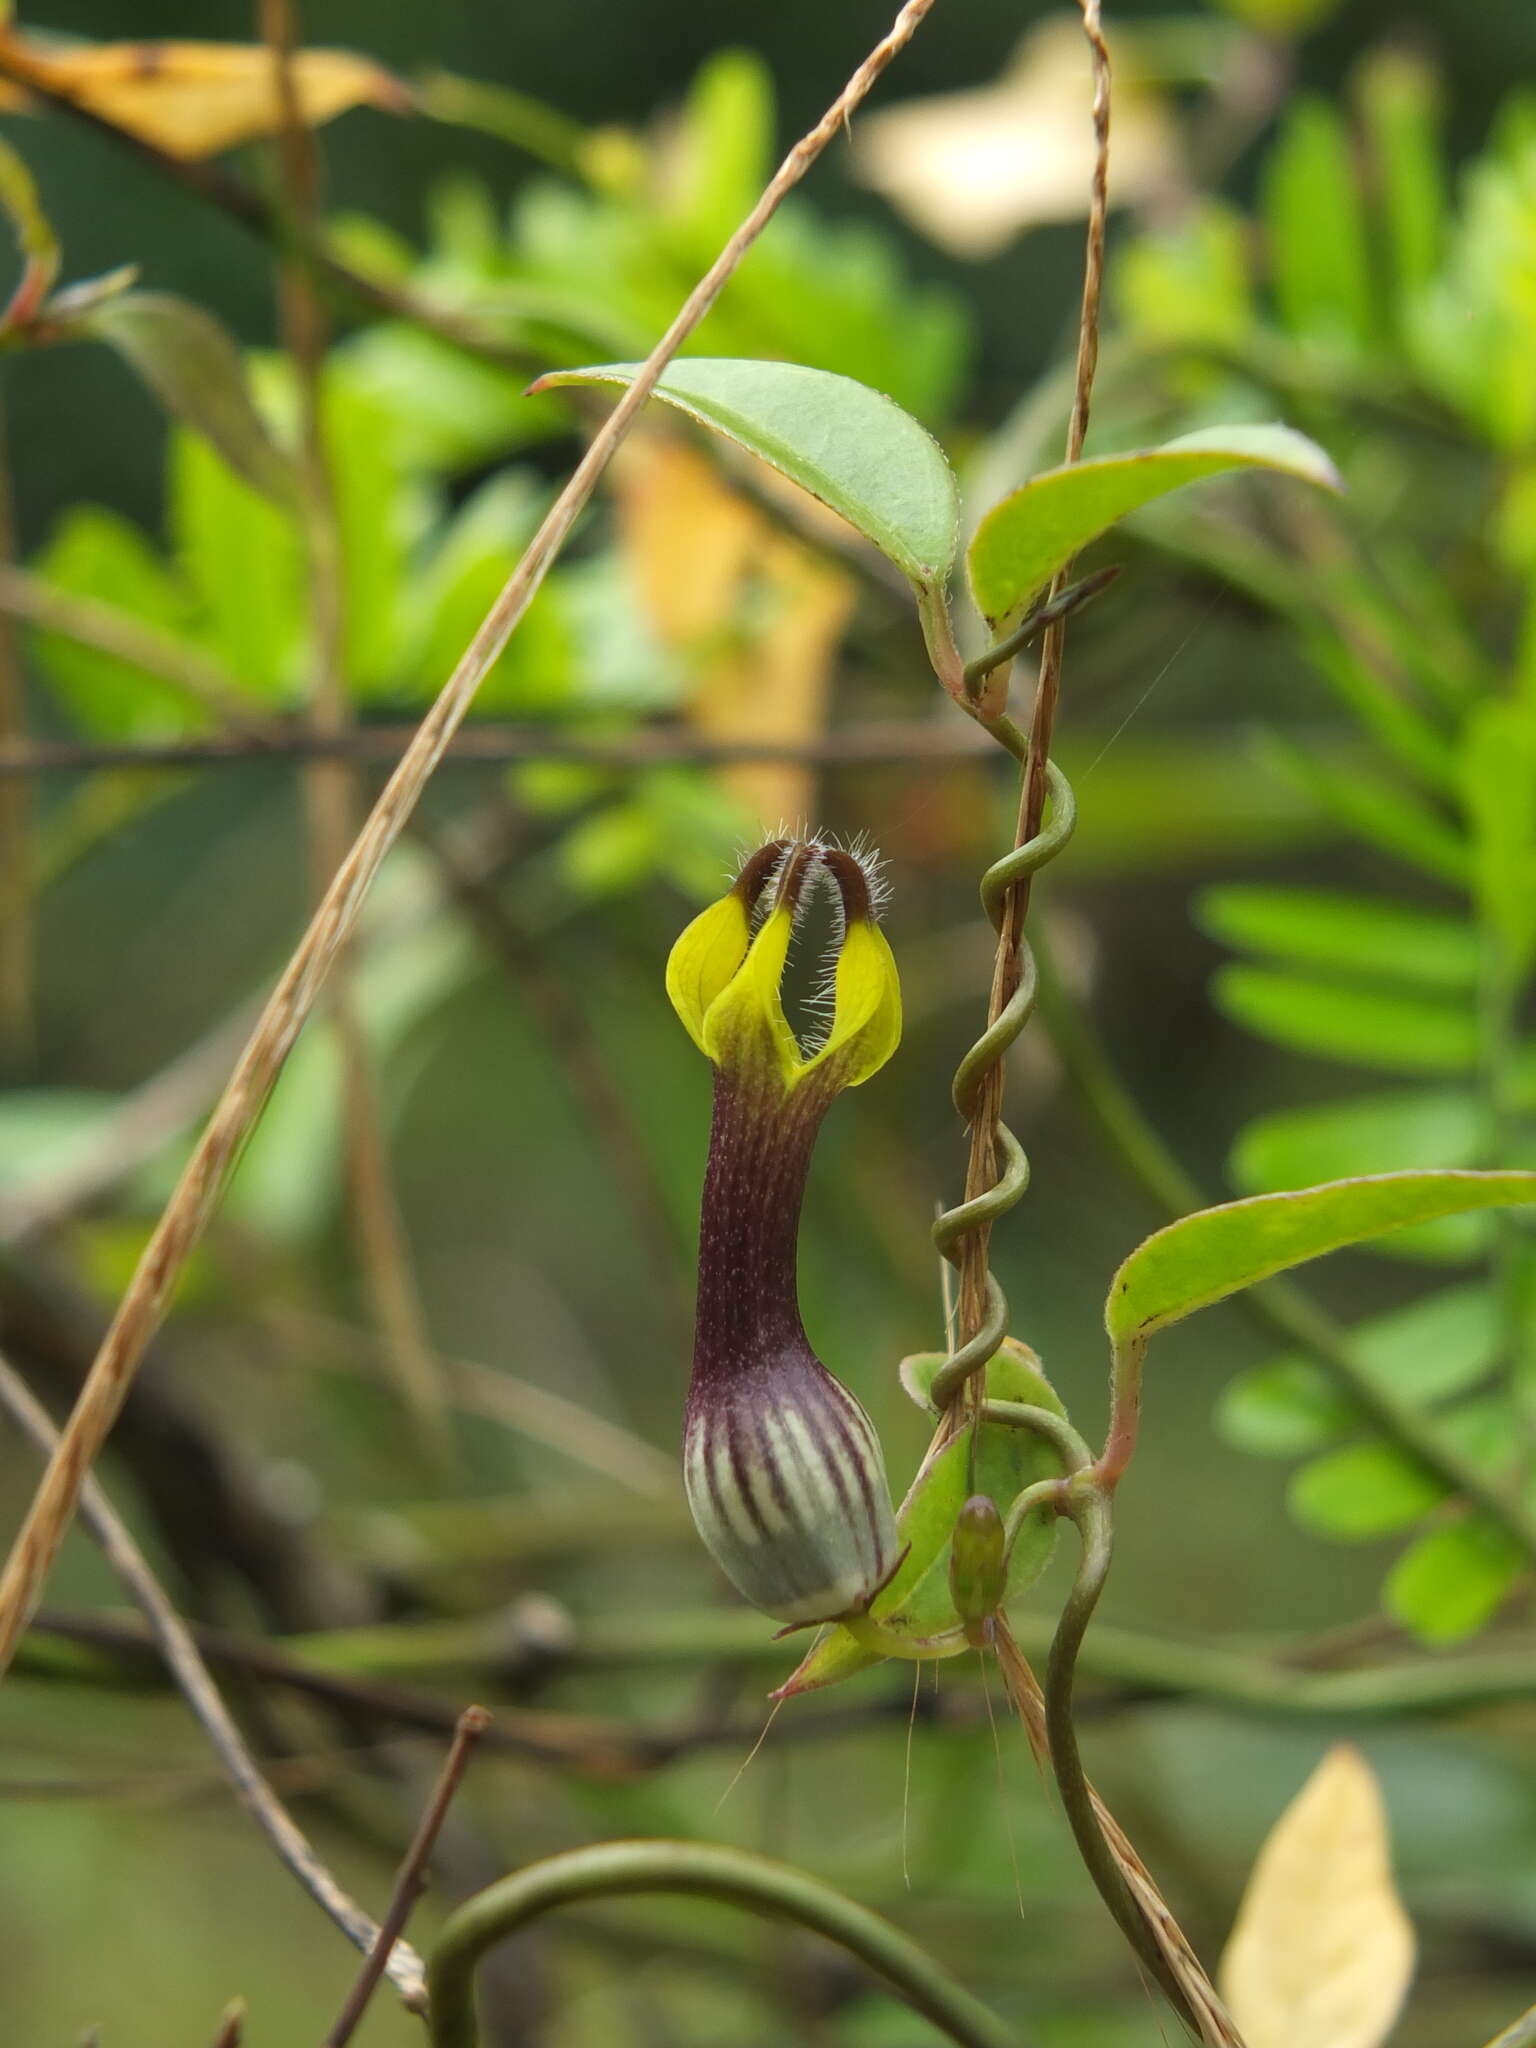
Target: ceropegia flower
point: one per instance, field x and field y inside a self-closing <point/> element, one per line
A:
<point x="783" y="1469"/>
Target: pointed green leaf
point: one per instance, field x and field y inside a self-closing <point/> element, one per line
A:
<point x="1283" y="1409"/>
<point x="1319" y="249"/>
<point x="1361" y="1492"/>
<point x="1399" y="97"/>
<point x="1375" y="809"/>
<point x="194" y="369"/>
<point x="1438" y="1346"/>
<point x="839" y="440"/>
<point x="1296" y="1148"/>
<point x="1363" y="935"/>
<point x="1453" y="1580"/>
<point x="1215" y="1252"/>
<point x="1024" y="540"/>
<point x="1366" y="1027"/>
<point x="1498" y="776"/>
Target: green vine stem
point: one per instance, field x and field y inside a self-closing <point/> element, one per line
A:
<point x="957" y="1226"/>
<point x="700" y="1870"/>
<point x="1091" y="1514"/>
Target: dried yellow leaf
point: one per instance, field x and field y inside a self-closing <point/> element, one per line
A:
<point x="194" y="99"/>
<point x="1322" y="1953"/>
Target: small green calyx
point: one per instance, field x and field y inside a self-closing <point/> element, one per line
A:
<point x="725" y="973"/>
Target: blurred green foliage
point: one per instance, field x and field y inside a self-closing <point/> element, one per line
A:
<point x="1370" y="856"/>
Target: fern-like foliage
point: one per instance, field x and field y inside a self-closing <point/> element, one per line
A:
<point x="1409" y="319"/>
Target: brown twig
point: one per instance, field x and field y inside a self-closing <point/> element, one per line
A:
<point x="201" y="1184"/>
<point x="891" y="742"/>
<point x="180" y="1652"/>
<point x="412" y="1878"/>
<point x="333" y="791"/>
<point x="981" y="1169"/>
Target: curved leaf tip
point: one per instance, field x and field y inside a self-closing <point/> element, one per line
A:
<point x="851" y="447"/>
<point x="1035" y="531"/>
<point x="1216" y="1252"/>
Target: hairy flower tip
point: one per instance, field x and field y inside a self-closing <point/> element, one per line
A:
<point x="786" y="1481"/>
<point x="725" y="973"/>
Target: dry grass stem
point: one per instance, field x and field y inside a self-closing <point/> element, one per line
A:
<point x="332" y="787"/>
<point x="412" y="1878"/>
<point x="197" y="1194"/>
<point x="202" y="1696"/>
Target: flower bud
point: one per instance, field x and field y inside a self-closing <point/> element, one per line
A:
<point x="978" y="1566"/>
<point x="782" y="1467"/>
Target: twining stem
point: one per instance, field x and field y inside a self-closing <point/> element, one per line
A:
<point x="699" y="1870"/>
<point x="991" y="695"/>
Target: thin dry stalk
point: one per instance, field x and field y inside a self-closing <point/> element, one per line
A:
<point x="981" y="1169"/>
<point x="1211" y="2017"/>
<point x="232" y="2026"/>
<point x="333" y="791"/>
<point x="202" y="1696"/>
<point x="412" y="1878"/>
<point x="197" y="1194"/>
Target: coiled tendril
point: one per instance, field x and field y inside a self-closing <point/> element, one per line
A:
<point x="956" y="1224"/>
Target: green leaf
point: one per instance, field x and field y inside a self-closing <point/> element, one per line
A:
<point x="1190" y="284"/>
<point x="100" y="556"/>
<point x="244" y="560"/>
<point x="194" y="369"/>
<point x="1434" y="1348"/>
<point x="371" y="490"/>
<point x="1361" y="1492"/>
<point x="1453" y="1580"/>
<point x="1399" y="97"/>
<point x="1381" y="706"/>
<point x="1369" y="1133"/>
<point x="1319" y="246"/>
<point x="1215" y="1252"/>
<point x="1029" y="535"/>
<point x="1386" y="1029"/>
<point x="840" y="441"/>
<point x="1296" y="1148"/>
<point x="445" y="602"/>
<point x="1283" y="1409"/>
<point x="1376" y="810"/>
<point x="1498" y="773"/>
<point x="720" y="158"/>
<point x="1365" y="935"/>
